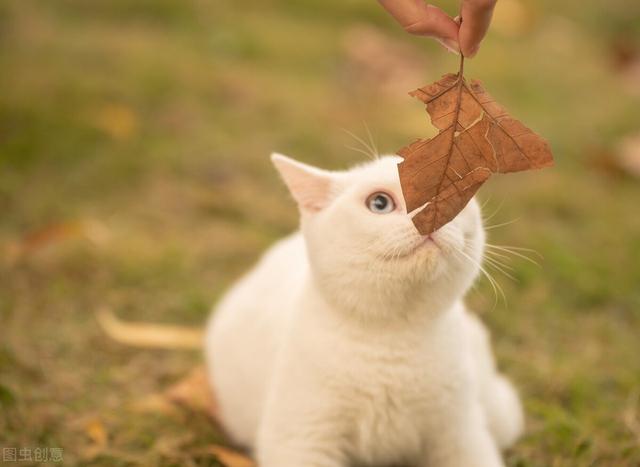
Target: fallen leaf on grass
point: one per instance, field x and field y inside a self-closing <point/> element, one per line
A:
<point x="194" y="393"/>
<point x="56" y="234"/>
<point x="119" y="121"/>
<point x="156" y="404"/>
<point x="191" y="392"/>
<point x="96" y="432"/>
<point x="477" y="138"/>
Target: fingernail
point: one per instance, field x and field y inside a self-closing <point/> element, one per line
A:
<point x="451" y="45"/>
<point x="458" y="19"/>
<point x="473" y="51"/>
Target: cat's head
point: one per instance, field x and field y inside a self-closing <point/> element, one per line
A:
<point x="365" y="253"/>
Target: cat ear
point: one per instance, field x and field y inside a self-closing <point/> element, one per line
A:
<point x="309" y="186"/>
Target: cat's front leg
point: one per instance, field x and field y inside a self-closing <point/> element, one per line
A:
<point x="298" y="450"/>
<point x="466" y="442"/>
<point x="302" y="427"/>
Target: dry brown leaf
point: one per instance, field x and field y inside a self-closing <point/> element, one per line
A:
<point x="477" y="138"/>
<point x="156" y="404"/>
<point x="193" y="392"/>
<point x="96" y="432"/>
<point x="56" y="234"/>
<point x="97" y="435"/>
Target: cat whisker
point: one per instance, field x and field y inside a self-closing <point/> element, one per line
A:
<point x="516" y="251"/>
<point x="518" y="248"/>
<point x="388" y="247"/>
<point x="485" y="202"/>
<point x="397" y="238"/>
<point x="384" y="242"/>
<point x="371" y="153"/>
<point x="497" y="255"/>
<point x="492" y="281"/>
<point x="361" y="151"/>
<point x="380" y="271"/>
<point x="500" y="267"/>
<point x="502" y="224"/>
<point x="391" y="251"/>
<point x="373" y="144"/>
<point x="494" y="213"/>
<point x="497" y="261"/>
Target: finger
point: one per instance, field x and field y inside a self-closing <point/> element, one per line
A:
<point x="476" y="15"/>
<point x="416" y="17"/>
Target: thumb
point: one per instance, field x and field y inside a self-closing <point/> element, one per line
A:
<point x="416" y="17"/>
<point x="477" y="17"/>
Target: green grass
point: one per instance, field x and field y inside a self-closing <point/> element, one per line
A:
<point x="152" y="121"/>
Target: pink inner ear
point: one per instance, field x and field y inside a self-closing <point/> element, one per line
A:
<point x="309" y="186"/>
<point x="311" y="194"/>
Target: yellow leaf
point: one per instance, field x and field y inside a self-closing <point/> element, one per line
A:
<point x="194" y="392"/>
<point x="56" y="234"/>
<point x="96" y="432"/>
<point x="119" y="121"/>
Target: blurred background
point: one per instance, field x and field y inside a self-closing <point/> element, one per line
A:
<point x="134" y="174"/>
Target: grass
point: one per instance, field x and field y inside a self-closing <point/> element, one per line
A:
<point x="133" y="172"/>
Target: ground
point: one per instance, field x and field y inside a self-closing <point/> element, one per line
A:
<point x="134" y="174"/>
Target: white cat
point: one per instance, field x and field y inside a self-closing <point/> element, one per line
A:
<point x="348" y="343"/>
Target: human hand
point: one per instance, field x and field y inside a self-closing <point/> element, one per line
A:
<point x="419" y="18"/>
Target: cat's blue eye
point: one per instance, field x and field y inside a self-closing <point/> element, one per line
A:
<point x="380" y="203"/>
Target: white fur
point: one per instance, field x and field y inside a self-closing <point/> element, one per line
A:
<point x="348" y="343"/>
